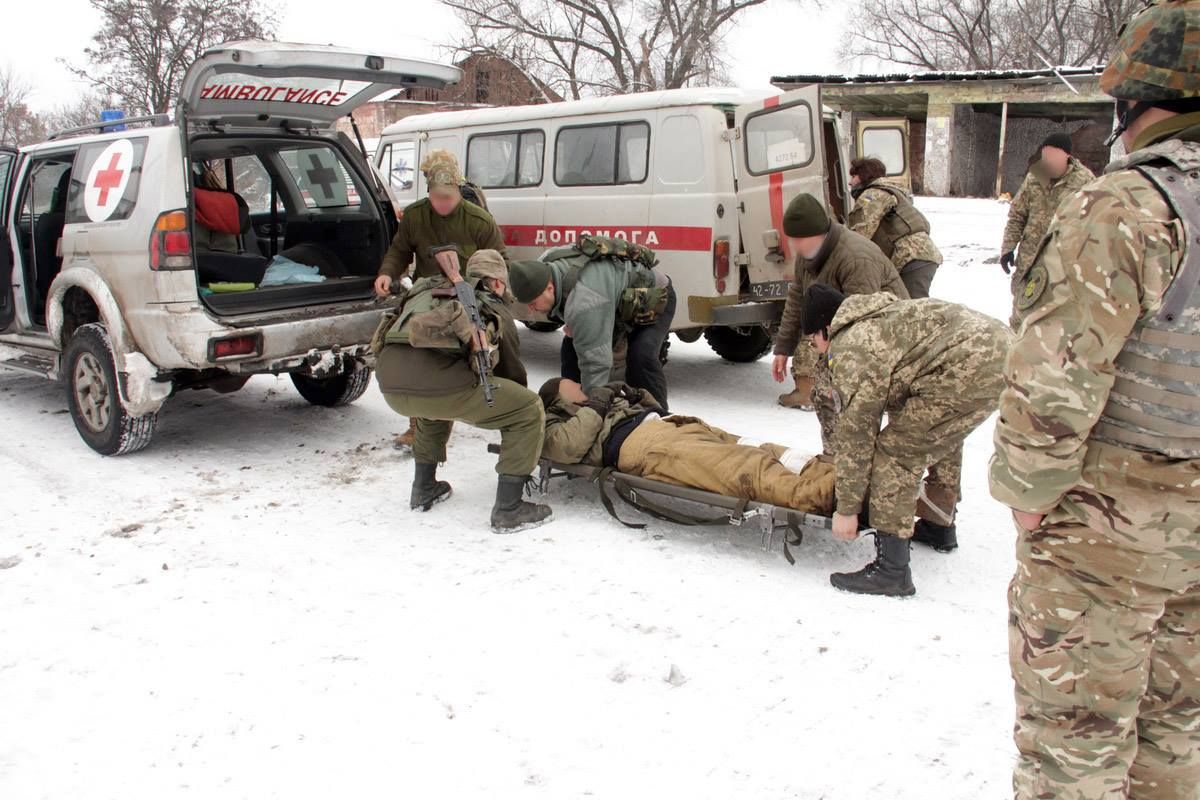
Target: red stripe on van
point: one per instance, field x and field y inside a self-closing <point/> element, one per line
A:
<point x="656" y="237"/>
<point x="775" y="194"/>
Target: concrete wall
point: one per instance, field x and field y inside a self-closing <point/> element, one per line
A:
<point x="975" y="151"/>
<point x="938" y="149"/>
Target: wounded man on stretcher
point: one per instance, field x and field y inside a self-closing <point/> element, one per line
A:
<point x="622" y="427"/>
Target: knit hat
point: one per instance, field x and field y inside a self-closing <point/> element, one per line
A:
<point x="528" y="279"/>
<point x="1060" y="140"/>
<point x="549" y="392"/>
<point x="821" y="303"/>
<point x="486" y="264"/>
<point x="805" y="217"/>
<point x="441" y="169"/>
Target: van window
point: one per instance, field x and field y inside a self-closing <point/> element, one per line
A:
<point x="779" y="138"/>
<point x="602" y="154"/>
<point x="397" y="163"/>
<point x="99" y="173"/>
<point x="886" y="144"/>
<point x="506" y="160"/>
<point x="323" y="179"/>
<point x="680" y="157"/>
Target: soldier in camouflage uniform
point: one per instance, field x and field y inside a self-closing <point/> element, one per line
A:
<point x="826" y="252"/>
<point x="935" y="369"/>
<point x="1098" y="452"/>
<point x="885" y="214"/>
<point x="1039" y="197"/>
<point x="425" y="371"/>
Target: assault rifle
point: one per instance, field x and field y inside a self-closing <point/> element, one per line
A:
<point x="447" y="258"/>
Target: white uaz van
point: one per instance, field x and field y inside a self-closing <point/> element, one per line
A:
<point x="240" y="238"/>
<point x="701" y="176"/>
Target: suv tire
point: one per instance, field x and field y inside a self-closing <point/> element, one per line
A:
<point x="336" y="390"/>
<point x="741" y="345"/>
<point x="90" y="376"/>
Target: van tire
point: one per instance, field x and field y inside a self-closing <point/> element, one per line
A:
<point x="336" y="390"/>
<point x="741" y="345"/>
<point x="90" y="377"/>
<point x="543" y="327"/>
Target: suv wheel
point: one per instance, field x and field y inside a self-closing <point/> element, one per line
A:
<point x="90" y="374"/>
<point x="336" y="390"/>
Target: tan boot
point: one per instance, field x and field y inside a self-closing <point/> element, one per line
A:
<point x="801" y="396"/>
<point x="405" y="440"/>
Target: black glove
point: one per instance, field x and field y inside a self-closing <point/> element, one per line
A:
<point x="629" y="393"/>
<point x="599" y="406"/>
<point x="1006" y="261"/>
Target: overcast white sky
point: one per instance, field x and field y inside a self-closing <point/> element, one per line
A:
<point x="780" y="37"/>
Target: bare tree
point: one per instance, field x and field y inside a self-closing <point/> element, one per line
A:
<point x="18" y="124"/>
<point x="144" y="47"/>
<point x="83" y="110"/>
<point x="586" y="47"/>
<point x="987" y="34"/>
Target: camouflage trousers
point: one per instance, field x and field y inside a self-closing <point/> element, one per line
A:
<point x="1104" y="640"/>
<point x="926" y="434"/>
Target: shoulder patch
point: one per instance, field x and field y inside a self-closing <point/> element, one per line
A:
<point x="1033" y="287"/>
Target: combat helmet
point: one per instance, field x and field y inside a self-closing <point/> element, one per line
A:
<point x="1158" y="55"/>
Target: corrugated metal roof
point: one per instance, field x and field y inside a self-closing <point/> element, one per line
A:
<point x="932" y="77"/>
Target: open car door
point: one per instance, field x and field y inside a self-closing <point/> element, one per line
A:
<point x="273" y="84"/>
<point x="779" y="154"/>
<point x="887" y="140"/>
<point x="8" y="163"/>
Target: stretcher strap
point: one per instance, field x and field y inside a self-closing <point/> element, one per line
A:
<point x="792" y="535"/>
<point x="648" y="506"/>
<point x="601" y="479"/>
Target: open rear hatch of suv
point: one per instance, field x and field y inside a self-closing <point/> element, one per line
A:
<point x="284" y="212"/>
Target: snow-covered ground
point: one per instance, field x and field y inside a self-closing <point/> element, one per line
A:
<point x="249" y="609"/>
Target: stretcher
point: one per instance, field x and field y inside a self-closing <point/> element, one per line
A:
<point x="669" y="502"/>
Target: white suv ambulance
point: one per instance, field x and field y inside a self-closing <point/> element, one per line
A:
<point x="701" y="176"/>
<point x="240" y="238"/>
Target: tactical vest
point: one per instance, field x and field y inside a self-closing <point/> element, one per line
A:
<point x="643" y="300"/>
<point x="903" y="220"/>
<point x="1154" y="405"/>
<point x="429" y="304"/>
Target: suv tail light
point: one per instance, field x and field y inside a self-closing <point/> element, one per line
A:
<point x="170" y="242"/>
<point x="721" y="262"/>
<point x="234" y="346"/>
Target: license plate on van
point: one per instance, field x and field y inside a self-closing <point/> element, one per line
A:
<point x="775" y="290"/>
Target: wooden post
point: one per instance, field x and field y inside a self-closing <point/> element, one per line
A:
<point x="1000" y="157"/>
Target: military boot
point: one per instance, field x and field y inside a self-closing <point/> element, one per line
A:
<point x="800" y="397"/>
<point x="943" y="538"/>
<point x="427" y="490"/>
<point x="511" y="513"/>
<point x="887" y="575"/>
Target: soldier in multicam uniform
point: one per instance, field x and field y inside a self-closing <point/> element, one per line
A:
<point x="1055" y="176"/>
<point x="1098" y="452"/>
<point x="885" y="214"/>
<point x="935" y="369"/>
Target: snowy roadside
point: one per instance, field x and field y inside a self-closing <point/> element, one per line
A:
<point x="248" y="609"/>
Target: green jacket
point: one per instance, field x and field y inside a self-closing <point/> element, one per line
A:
<point x="1034" y="206"/>
<point x="883" y="351"/>
<point x="576" y="434"/>
<point x="468" y="226"/>
<point x="589" y="308"/>
<point x="850" y="263"/>
<point x="423" y="361"/>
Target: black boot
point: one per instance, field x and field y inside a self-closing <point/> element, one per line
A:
<point x="888" y="574"/>
<point x="427" y="490"/>
<point x="943" y="538"/>
<point x="511" y="513"/>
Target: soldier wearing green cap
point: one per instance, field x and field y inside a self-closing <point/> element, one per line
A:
<point x="826" y="252"/>
<point x="425" y="371"/>
<point x="1098" y="451"/>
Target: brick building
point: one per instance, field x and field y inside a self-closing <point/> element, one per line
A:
<point x="955" y="121"/>
<point x="487" y="81"/>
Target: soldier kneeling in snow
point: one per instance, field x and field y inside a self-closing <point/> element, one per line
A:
<point x="623" y="427"/>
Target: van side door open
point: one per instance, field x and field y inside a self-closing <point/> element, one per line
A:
<point x="778" y="154"/>
<point x="887" y="140"/>
<point x="8" y="163"/>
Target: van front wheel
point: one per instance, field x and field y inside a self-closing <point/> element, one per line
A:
<point x="742" y="345"/>
<point x="336" y="390"/>
<point x="90" y="375"/>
